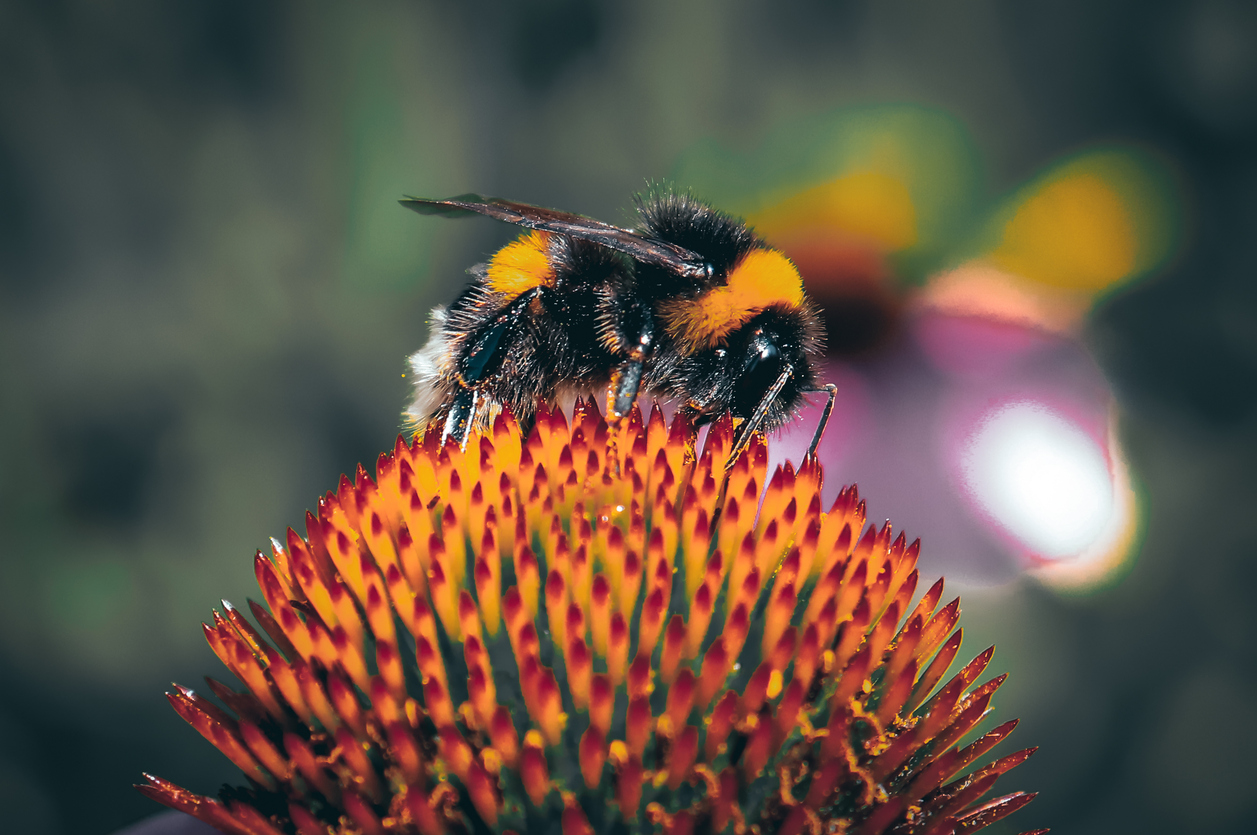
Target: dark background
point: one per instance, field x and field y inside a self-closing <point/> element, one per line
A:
<point x="207" y="290"/>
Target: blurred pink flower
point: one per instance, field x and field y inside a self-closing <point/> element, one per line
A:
<point x="995" y="438"/>
<point x="968" y="403"/>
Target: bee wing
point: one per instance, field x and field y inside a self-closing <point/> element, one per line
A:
<point x="638" y="247"/>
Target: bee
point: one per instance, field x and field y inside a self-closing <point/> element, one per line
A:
<point x="690" y="306"/>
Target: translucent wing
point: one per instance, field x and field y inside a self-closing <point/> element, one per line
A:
<point x="638" y="247"/>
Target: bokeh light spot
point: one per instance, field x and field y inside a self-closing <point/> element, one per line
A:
<point x="867" y="205"/>
<point x="1041" y="478"/>
<point x="1100" y="218"/>
<point x="1075" y="233"/>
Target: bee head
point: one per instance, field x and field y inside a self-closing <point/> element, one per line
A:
<point x="741" y="372"/>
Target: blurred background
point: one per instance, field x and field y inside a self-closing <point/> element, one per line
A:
<point x="207" y="290"/>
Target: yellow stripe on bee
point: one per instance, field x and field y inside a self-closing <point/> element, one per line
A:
<point x="522" y="265"/>
<point x="763" y="278"/>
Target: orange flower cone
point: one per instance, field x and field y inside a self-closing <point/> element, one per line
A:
<point x="579" y="631"/>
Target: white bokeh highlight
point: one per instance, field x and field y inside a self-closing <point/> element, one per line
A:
<point x="1042" y="479"/>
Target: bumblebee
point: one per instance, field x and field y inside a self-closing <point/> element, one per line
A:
<point x="690" y="306"/>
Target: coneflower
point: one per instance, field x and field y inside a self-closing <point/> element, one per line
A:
<point x="582" y="631"/>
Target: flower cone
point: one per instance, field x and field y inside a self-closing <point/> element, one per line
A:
<point x="585" y="630"/>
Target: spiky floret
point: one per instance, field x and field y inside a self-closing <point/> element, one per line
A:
<point x="545" y="635"/>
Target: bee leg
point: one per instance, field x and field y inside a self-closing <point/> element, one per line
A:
<point x="832" y="391"/>
<point x="487" y="348"/>
<point x="488" y="345"/>
<point x="460" y="417"/>
<point x="696" y="416"/>
<point x="628" y="377"/>
<point x="622" y="394"/>
<point x="626" y="382"/>
<point x="697" y="419"/>
<point x="631" y="333"/>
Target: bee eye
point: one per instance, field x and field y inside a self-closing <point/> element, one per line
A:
<point x="760" y="368"/>
<point x="762" y="350"/>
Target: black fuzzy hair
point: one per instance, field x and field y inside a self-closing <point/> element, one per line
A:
<point x="686" y="221"/>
